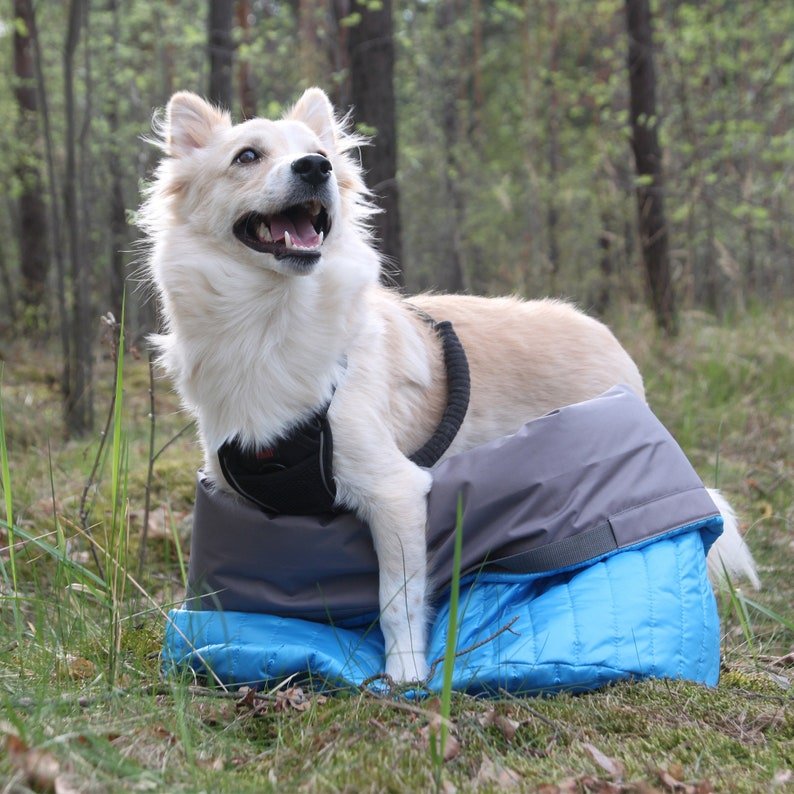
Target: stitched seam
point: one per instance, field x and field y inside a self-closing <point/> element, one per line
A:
<point x="677" y="492"/>
<point x="684" y="622"/>
<point x="615" y="624"/>
<point x="651" y="618"/>
<point x="704" y="591"/>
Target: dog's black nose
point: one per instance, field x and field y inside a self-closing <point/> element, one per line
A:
<point x="314" y="169"/>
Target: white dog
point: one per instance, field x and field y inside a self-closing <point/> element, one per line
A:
<point x="269" y="284"/>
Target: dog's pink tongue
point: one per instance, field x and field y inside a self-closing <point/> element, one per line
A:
<point x="300" y="230"/>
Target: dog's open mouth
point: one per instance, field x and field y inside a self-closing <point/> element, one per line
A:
<point x="298" y="230"/>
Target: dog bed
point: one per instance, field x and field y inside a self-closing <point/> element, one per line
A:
<point x="584" y="562"/>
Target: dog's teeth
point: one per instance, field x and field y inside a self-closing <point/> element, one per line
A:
<point x="288" y="240"/>
<point x="322" y="237"/>
<point x="264" y="233"/>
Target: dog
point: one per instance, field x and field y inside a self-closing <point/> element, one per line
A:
<point x="263" y="260"/>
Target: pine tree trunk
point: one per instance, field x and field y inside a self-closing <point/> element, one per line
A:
<point x="78" y="406"/>
<point x="117" y="211"/>
<point x="648" y="159"/>
<point x="371" y="48"/>
<point x="33" y="248"/>
<point x="221" y="52"/>
<point x="245" y="79"/>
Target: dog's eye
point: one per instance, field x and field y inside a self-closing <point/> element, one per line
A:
<point x="246" y="157"/>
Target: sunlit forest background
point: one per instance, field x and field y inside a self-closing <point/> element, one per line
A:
<point x="633" y="156"/>
<point x="506" y="145"/>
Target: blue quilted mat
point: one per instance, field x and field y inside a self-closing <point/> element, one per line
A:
<point x="648" y="611"/>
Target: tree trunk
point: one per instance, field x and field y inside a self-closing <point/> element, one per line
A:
<point x="117" y="210"/>
<point x="8" y="288"/>
<point x="311" y="54"/>
<point x="648" y="159"/>
<point x="450" y="276"/>
<point x="221" y="52"/>
<point x="245" y="79"/>
<point x="33" y="248"/>
<point x="371" y="47"/>
<point x="339" y="53"/>
<point x="55" y="226"/>
<point x="79" y="399"/>
<point x="553" y="151"/>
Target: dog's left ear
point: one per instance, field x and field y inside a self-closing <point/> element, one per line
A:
<point x="315" y="110"/>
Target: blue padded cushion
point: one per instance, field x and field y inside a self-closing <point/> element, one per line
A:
<point x="647" y="611"/>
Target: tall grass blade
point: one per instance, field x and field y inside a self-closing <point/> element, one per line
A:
<point x="5" y="473"/>
<point x="452" y="642"/>
<point x="117" y="541"/>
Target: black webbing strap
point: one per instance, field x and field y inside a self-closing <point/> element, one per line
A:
<point x="458" y="391"/>
<point x="565" y="553"/>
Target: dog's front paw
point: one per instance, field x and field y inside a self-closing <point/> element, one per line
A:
<point x="403" y="668"/>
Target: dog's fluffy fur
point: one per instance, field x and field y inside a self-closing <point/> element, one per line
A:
<point x="258" y="339"/>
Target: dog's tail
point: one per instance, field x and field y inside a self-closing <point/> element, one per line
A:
<point x="730" y="554"/>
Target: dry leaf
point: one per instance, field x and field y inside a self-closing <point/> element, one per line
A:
<point x="80" y="668"/>
<point x="293" y="697"/>
<point x="247" y="698"/>
<point x="433" y="705"/>
<point x="673" y="783"/>
<point x="451" y="747"/>
<point x="610" y="765"/>
<point x="213" y="764"/>
<point x="490" y="773"/>
<point x="430" y="733"/>
<point x="163" y="733"/>
<point x="507" y="726"/>
<point x="40" y="768"/>
<point x="69" y="784"/>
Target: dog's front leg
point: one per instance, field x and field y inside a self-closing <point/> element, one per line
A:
<point x="390" y="496"/>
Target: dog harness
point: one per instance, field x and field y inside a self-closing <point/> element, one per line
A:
<point x="295" y="475"/>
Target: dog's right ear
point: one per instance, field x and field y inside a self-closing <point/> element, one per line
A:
<point x="190" y="123"/>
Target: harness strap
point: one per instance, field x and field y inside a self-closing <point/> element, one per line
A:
<point x="458" y="392"/>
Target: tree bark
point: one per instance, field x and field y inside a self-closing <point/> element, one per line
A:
<point x="451" y="274"/>
<point x="371" y="48"/>
<point x="33" y="248"/>
<point x="648" y="159"/>
<point x="79" y="399"/>
<point x="55" y="226"/>
<point x="221" y="52"/>
<point x="245" y="80"/>
<point x="553" y="150"/>
<point x="311" y="54"/>
<point x="117" y="210"/>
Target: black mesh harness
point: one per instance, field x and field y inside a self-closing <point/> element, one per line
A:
<point x="295" y="475"/>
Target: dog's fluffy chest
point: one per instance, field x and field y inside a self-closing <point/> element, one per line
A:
<point x="258" y="365"/>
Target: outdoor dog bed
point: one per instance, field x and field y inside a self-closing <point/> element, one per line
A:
<point x="584" y="562"/>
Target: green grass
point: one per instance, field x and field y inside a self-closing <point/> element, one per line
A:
<point x="79" y="668"/>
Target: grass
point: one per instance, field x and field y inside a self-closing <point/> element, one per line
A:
<point x="81" y="700"/>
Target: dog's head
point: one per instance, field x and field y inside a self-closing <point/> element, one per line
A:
<point x="275" y="194"/>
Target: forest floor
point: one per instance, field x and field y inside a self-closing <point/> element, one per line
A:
<point x="77" y="715"/>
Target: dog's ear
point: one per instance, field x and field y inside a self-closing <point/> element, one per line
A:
<point x="314" y="109"/>
<point x="190" y="123"/>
